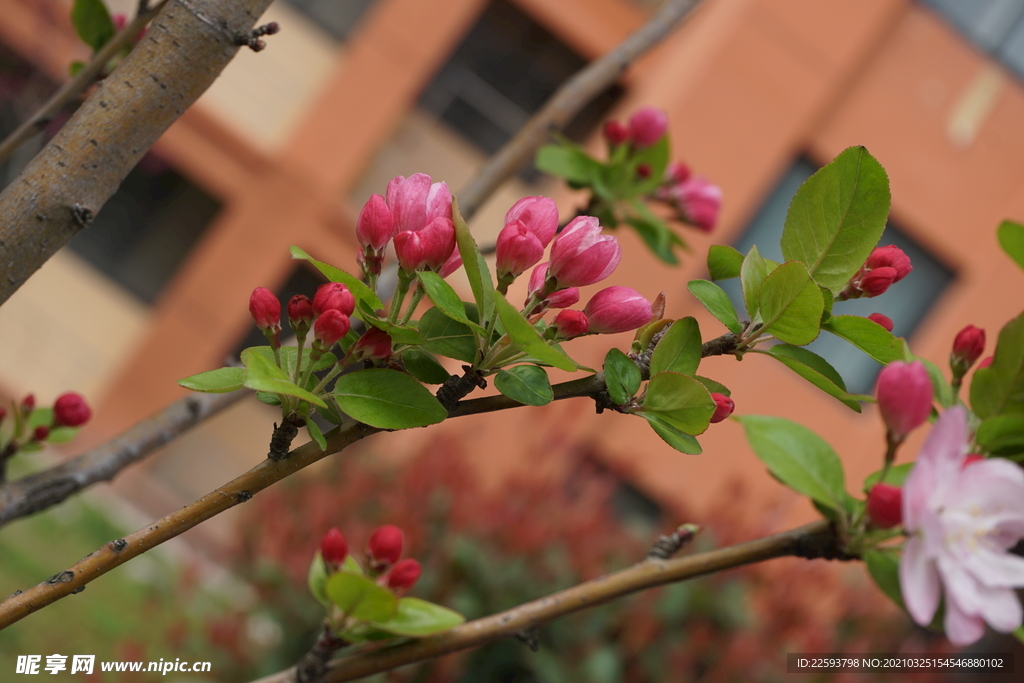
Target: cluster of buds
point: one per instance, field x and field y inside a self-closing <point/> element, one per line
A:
<point x="696" y="200"/>
<point x="383" y="553"/>
<point x="884" y="267"/>
<point x="31" y="427"/>
<point x="610" y="311"/>
<point x="327" y="314"/>
<point x="645" y="128"/>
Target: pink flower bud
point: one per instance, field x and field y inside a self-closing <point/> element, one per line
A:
<point x="333" y="296"/>
<point x="968" y="346"/>
<point x="403" y="575"/>
<point x="300" y="310"/>
<point x="615" y="133"/>
<point x="265" y="308"/>
<point x="885" y="506"/>
<point x="538" y="214"/>
<point x="883" y="320"/>
<point x="877" y="281"/>
<point x="986" y="361"/>
<point x="700" y="201"/>
<point x="28" y="403"/>
<point x="40" y="433"/>
<point x="581" y="255"/>
<point x="562" y="298"/>
<point x="517" y="249"/>
<point x="569" y="324"/>
<point x="331" y="326"/>
<point x="373" y="345"/>
<point x="427" y="248"/>
<point x="71" y="410"/>
<point x="677" y="172"/>
<point x="375" y="226"/>
<point x="647" y="126"/>
<point x="415" y="202"/>
<point x="617" y="309"/>
<point x="723" y="407"/>
<point x="120" y="21"/>
<point x="451" y="265"/>
<point x="385" y="546"/>
<point x="890" y="256"/>
<point x="904" y="394"/>
<point x="333" y="548"/>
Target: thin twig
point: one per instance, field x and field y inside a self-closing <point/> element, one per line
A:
<point x="568" y="100"/>
<point x="815" y="540"/>
<point x="78" y="83"/>
<point x="47" y="488"/>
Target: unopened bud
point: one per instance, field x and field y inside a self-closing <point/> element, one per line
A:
<point x="333" y="548"/>
<point x="385" y="546"/>
<point x="986" y="361"/>
<point x="373" y="345"/>
<point x="904" y="394"/>
<point x="968" y="346"/>
<point x="569" y="324"/>
<point x="647" y="126"/>
<point x="677" y="172"/>
<point x="877" y="281"/>
<point x="330" y="327"/>
<point x="333" y="296"/>
<point x="885" y="506"/>
<point x="617" y="309"/>
<point x="403" y="575"/>
<point x="643" y="171"/>
<point x="300" y="312"/>
<point x="40" y="433"/>
<point x="723" y="407"/>
<point x="615" y="133"/>
<point x="71" y="410"/>
<point x="265" y="309"/>
<point x="375" y="225"/>
<point x="883" y="320"/>
<point x="28" y="404"/>
<point x="890" y="256"/>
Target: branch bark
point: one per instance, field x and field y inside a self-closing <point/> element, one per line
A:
<point x="64" y="187"/>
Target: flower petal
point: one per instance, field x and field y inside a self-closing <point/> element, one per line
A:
<point x="995" y="569"/>
<point x="919" y="582"/>
<point x="962" y="628"/>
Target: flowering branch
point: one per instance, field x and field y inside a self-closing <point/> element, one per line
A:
<point x="815" y="540"/>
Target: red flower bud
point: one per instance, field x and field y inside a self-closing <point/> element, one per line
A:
<point x="28" y="403"/>
<point x="647" y="126"/>
<point x="677" y="172"/>
<point x="333" y="548"/>
<point x="40" y="433"/>
<point x="516" y="250"/>
<point x="883" y="320"/>
<point x="581" y="255"/>
<point x="643" y="171"/>
<point x="723" y="407"/>
<point x="971" y="459"/>
<point x="986" y="361"/>
<point x="385" y="546"/>
<point x="876" y="281"/>
<point x="904" y="394"/>
<point x="538" y="214"/>
<point x="890" y="256"/>
<point x="427" y="248"/>
<point x="968" y="346"/>
<point x="569" y="324"/>
<point x="374" y="344"/>
<point x="563" y="298"/>
<point x="300" y="310"/>
<point x="333" y="296"/>
<point x="403" y="575"/>
<point x="375" y="226"/>
<point x="617" y="309"/>
<point x="3" y="413"/>
<point x="71" y="410"/>
<point x="615" y="133"/>
<point x="265" y="308"/>
<point x="331" y="326"/>
<point x="885" y="506"/>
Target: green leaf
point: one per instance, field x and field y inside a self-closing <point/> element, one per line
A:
<point x="288" y="356"/>
<point x="884" y="567"/>
<point x="387" y="399"/>
<point x="316" y="579"/>
<point x="417" y="618"/>
<point x="1011" y="239"/>
<point x="657" y="236"/>
<point x="526" y="337"/>
<point x="621" y="376"/>
<point x="331" y="413"/>
<point x="999" y="388"/>
<point x="219" y="381"/>
<point x="360" y="597"/>
<point x="798" y="458"/>
<point x="527" y="384"/>
<point x="684" y="443"/>
<point x="656" y="157"/>
<point x="1000" y="435"/>
<point x="62" y="434"/>
<point x="896" y="475"/>
<point x="270" y="399"/>
<point x="358" y="288"/>
<point x="815" y="370"/>
<point x="753" y="272"/>
<point x="837" y="218"/>
<point x="791" y="304"/>
<point x="447" y="337"/>
<point x="713" y="386"/>
<point x="569" y="162"/>
<point x="39" y="417"/>
<point x="681" y="401"/>
<point x="476" y="268"/>
<point x="263" y="375"/>
<point x="315" y="434"/>
<point x="444" y="297"/>
<point x="717" y="302"/>
<point x="424" y="366"/>
<point x="679" y="349"/>
<point x="92" y="23"/>
<point x="724" y="262"/>
<point x="74" y="67"/>
<point x="943" y="391"/>
<point x="866" y="335"/>
<point x="400" y="334"/>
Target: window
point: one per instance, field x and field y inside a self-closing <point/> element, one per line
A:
<point x="337" y="17"/>
<point x="995" y="26"/>
<point x="907" y="303"/>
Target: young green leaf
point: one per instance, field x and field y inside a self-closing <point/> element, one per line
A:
<point x="447" y="337"/>
<point x="713" y="386"/>
<point x="262" y="375"/>
<point x="1002" y="435"/>
<point x="999" y="388"/>
<point x="621" y="376"/>
<point x="387" y="399"/>
<point x="681" y="401"/>
<point x="444" y="297"/>
<point x="884" y="565"/>
<point x="679" y="349"/>
<point x="657" y="235"/>
<point x="219" y="381"/>
<point x="315" y="434"/>
<point x="569" y="162"/>
<point x="424" y="366"/>
<point x="476" y="268"/>
<point x="92" y="23"/>
<point x="1011" y="239"/>
<point x="791" y="304"/>
<point x="400" y="334"/>
<point x="753" y="271"/>
<point x="524" y="336"/>
<point x="358" y="288"/>
<point x="798" y="457"/>
<point x="656" y="157"/>
<point x="724" y="262"/>
<point x="717" y="302"/>
<point x="837" y="218"/>
<point x="360" y="597"/>
<point x="866" y="335"/>
<point x="316" y="579"/>
<point x="417" y="618"/>
<point x="815" y="370"/>
<point x="527" y="384"/>
<point x="896" y="475"/>
<point x="684" y="443"/>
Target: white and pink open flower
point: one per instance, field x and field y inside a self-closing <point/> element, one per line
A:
<point x="961" y="517"/>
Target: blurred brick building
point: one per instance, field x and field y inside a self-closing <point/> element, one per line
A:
<point x="289" y="142"/>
